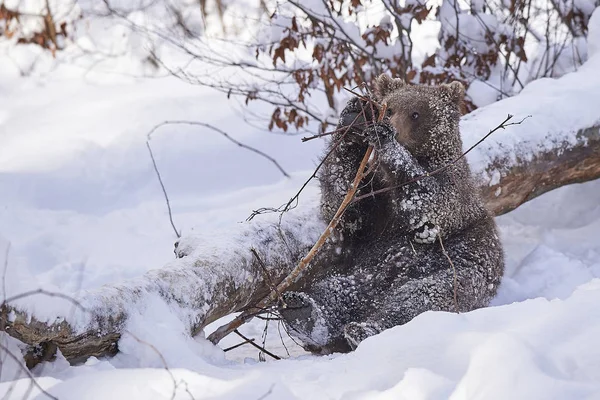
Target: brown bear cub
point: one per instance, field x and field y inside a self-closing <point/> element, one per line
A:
<point x="386" y="264"/>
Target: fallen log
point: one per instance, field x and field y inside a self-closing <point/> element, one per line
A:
<point x="208" y="280"/>
<point x="526" y="179"/>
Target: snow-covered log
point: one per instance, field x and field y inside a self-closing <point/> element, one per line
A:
<point x="212" y="277"/>
<point x="557" y="145"/>
<point x="512" y="184"/>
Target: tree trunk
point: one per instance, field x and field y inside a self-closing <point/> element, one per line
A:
<point x="524" y="180"/>
<point x="216" y="280"/>
<point x="211" y="282"/>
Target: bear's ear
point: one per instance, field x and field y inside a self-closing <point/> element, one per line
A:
<point x="385" y="85"/>
<point x="456" y="91"/>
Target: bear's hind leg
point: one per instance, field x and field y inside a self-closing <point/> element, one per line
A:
<point x="318" y="316"/>
<point x="435" y="292"/>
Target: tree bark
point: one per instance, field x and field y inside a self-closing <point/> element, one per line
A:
<point x="199" y="287"/>
<point x="524" y="180"/>
<point x="207" y="283"/>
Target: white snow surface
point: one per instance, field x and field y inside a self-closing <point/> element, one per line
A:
<point x="553" y="112"/>
<point x="80" y="207"/>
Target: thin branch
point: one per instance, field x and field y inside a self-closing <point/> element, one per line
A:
<point x="502" y="125"/>
<point x="267" y="394"/>
<point x="319" y="135"/>
<point x="205" y="125"/>
<point x="362" y="97"/>
<point x="5" y="269"/>
<point x="162" y="359"/>
<point x="251" y="342"/>
<point x="18" y="361"/>
<point x="453" y="271"/>
<point x="226" y="136"/>
<point x="46" y="293"/>
<point x="279" y="323"/>
<point x="224" y="330"/>
<point x="238" y="345"/>
<point x="164" y="190"/>
<point x="288" y="206"/>
<point x="268" y="318"/>
<point x="265" y="272"/>
<point x="291" y="278"/>
<point x="265" y="333"/>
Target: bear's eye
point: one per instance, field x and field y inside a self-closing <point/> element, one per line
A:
<point x="388" y="113"/>
<point x="415" y="115"/>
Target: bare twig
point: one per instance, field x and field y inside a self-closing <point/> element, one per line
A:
<point x="265" y="333"/>
<point x="45" y="293"/>
<point x="306" y="139"/>
<point x="368" y="99"/>
<point x="453" y="271"/>
<point x="502" y="125"/>
<point x="6" y="254"/>
<point x="265" y="272"/>
<point x="320" y="135"/>
<point x="251" y="342"/>
<point x="162" y="359"/>
<point x="3" y="317"/>
<point x="267" y="394"/>
<point x="164" y="190"/>
<point x="279" y="323"/>
<point x="238" y="345"/>
<point x="223" y="331"/>
<point x="226" y="136"/>
<point x="209" y="126"/>
<point x="288" y="206"/>
<point x="19" y="362"/>
<point x="287" y="331"/>
<point x="268" y="318"/>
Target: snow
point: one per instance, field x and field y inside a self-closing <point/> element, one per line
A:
<point x="556" y="111"/>
<point x="543" y="353"/>
<point x="594" y="35"/>
<point x="81" y="208"/>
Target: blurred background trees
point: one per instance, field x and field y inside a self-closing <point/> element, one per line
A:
<point x="298" y="55"/>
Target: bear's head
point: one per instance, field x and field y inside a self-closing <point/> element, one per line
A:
<point x="425" y="117"/>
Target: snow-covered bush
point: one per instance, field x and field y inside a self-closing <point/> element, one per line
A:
<point x="46" y="24"/>
<point x="494" y="47"/>
<point x="127" y="34"/>
<point x="299" y="55"/>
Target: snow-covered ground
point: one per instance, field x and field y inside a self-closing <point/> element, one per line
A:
<point x="80" y="206"/>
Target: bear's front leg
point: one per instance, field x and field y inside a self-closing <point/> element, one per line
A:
<point x="419" y="195"/>
<point x="346" y="150"/>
